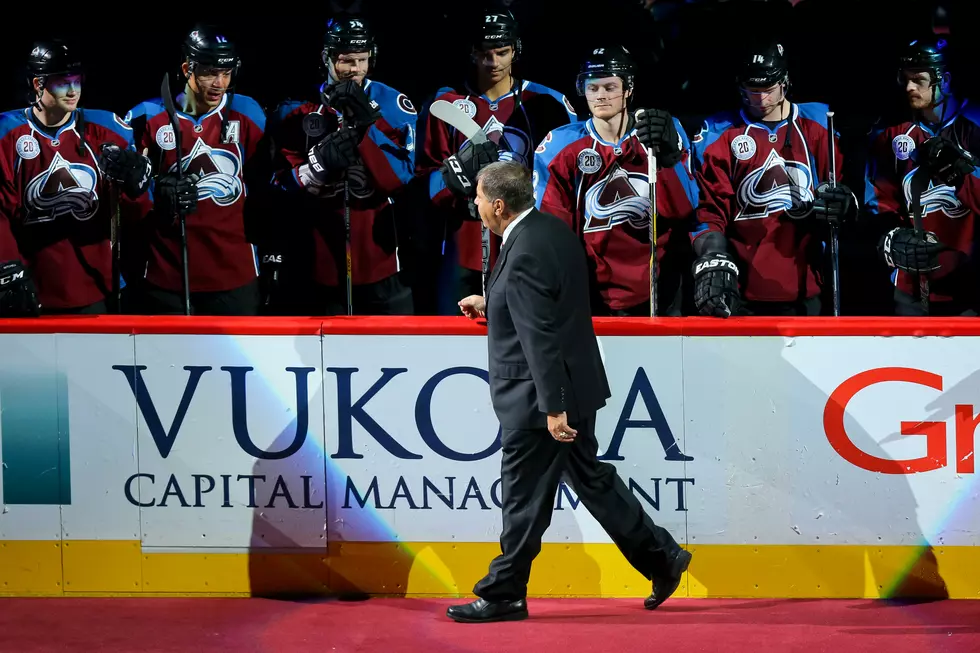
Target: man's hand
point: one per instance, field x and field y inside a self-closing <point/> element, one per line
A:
<point x="473" y="307"/>
<point x="559" y="428"/>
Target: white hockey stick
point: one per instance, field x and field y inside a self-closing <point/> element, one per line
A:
<point x="450" y="114"/>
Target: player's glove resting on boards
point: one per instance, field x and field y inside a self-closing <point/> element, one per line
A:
<point x="655" y="129"/>
<point x="834" y="205"/>
<point x="126" y="168"/>
<point x="174" y="196"/>
<point x="459" y="171"/>
<point x="269" y="267"/>
<point x="716" y="285"/>
<point x="338" y="151"/>
<point x="902" y="248"/>
<point x="349" y="98"/>
<point x="18" y="296"/>
<point x="946" y="163"/>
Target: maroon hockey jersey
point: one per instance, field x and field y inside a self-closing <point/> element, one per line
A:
<point x="387" y="155"/>
<point x="601" y="190"/>
<point x="57" y="204"/>
<point x="950" y="214"/>
<point x="516" y="122"/>
<point x="218" y="252"/>
<point x="757" y="183"/>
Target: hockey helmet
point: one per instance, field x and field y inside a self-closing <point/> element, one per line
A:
<point x="499" y="29"/>
<point x="929" y="54"/>
<point x="612" y="61"/>
<point x="49" y="58"/>
<point x="349" y="34"/>
<point x="206" y="47"/>
<point x="764" y="67"/>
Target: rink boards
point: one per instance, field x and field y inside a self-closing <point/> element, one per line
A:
<point x="796" y="458"/>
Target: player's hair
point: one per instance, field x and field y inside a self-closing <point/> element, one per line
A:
<point x="510" y="182"/>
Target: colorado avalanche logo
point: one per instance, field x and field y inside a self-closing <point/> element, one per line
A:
<point x="514" y="144"/>
<point x="65" y="188"/>
<point x="621" y="197"/>
<point x="218" y="170"/>
<point x="935" y="198"/>
<point x="778" y="186"/>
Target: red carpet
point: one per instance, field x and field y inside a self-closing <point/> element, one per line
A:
<point x="556" y="626"/>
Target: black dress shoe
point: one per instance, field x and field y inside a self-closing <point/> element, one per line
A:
<point x="483" y="611"/>
<point x="664" y="586"/>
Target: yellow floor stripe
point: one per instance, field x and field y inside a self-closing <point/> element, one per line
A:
<point x="122" y="568"/>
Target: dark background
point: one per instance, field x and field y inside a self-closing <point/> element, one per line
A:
<point x="841" y="52"/>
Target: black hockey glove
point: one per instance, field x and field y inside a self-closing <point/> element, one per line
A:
<point x="655" y="129"/>
<point x="127" y="168"/>
<point x="338" y="151"/>
<point x="349" y="98"/>
<point x="716" y="291"/>
<point x="459" y="171"/>
<point x="173" y="196"/>
<point x="834" y="205"/>
<point x="270" y="266"/>
<point x="902" y="248"/>
<point x="945" y="162"/>
<point x="18" y="295"/>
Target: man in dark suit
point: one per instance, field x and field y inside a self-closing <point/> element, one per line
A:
<point x="546" y="383"/>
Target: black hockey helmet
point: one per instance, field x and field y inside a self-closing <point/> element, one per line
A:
<point x="929" y="54"/>
<point x="612" y="61"/>
<point x="763" y="67"/>
<point x="50" y="58"/>
<point x="207" y="47"/>
<point x="499" y="29"/>
<point x="349" y="34"/>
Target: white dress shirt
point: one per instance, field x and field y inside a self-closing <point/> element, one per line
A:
<point x="510" y="227"/>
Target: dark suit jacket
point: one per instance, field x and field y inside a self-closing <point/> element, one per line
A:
<point x="544" y="357"/>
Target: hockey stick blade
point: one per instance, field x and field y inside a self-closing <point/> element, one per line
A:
<point x="450" y="114"/>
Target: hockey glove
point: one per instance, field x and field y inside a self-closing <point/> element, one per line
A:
<point x="834" y="205"/>
<point x="655" y="129"/>
<point x="18" y="295"/>
<point x="902" y="248"/>
<point x="338" y="151"/>
<point x="945" y="162"/>
<point x="459" y="171"/>
<point x="127" y="168"/>
<point x="716" y="291"/>
<point x="270" y="267"/>
<point x="173" y="196"/>
<point x="350" y="99"/>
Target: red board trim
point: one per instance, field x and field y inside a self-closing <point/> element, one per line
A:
<point x="460" y="326"/>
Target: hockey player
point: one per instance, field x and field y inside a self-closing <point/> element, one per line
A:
<point x="515" y="114"/>
<point x="593" y="175"/>
<point x="53" y="194"/>
<point x="936" y="140"/>
<point x="360" y="134"/>
<point x="222" y="139"/>
<point x="765" y="205"/>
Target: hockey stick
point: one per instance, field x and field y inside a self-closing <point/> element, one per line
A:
<point x="455" y="117"/>
<point x="652" y="187"/>
<point x="918" y="184"/>
<point x="834" y="234"/>
<point x="114" y="239"/>
<point x="168" y="104"/>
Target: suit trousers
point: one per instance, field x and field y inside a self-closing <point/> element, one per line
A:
<point x="531" y="467"/>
